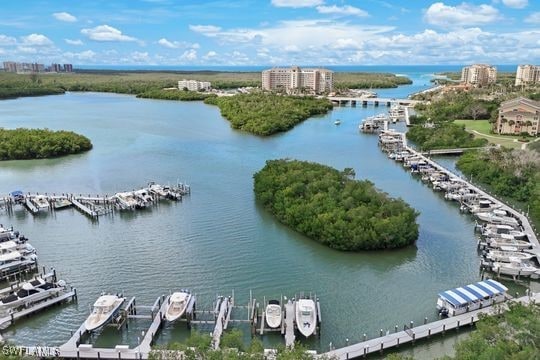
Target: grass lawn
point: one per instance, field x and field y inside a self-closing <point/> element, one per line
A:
<point x="482" y="129"/>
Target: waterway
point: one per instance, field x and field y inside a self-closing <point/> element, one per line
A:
<point x="219" y="239"/>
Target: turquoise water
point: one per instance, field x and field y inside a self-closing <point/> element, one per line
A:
<point x="219" y="239"/>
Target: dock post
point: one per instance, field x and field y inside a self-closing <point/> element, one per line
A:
<point x="380" y="333"/>
<point x="413" y="337"/>
<point x="443" y="328"/>
<point x="382" y="346"/>
<point x="472" y="320"/>
<point x="397" y="345"/>
<point x="365" y="337"/>
<point x="425" y="320"/>
<point x="457" y="328"/>
<point x="428" y="332"/>
<point x="395" y="328"/>
<point x="412" y="324"/>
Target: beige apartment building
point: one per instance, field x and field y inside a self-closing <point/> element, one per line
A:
<point x="194" y="85"/>
<point x="527" y="75"/>
<point x="479" y="75"/>
<point x="517" y="116"/>
<point x="296" y="79"/>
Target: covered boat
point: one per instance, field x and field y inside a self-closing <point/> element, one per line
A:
<point x="470" y="297"/>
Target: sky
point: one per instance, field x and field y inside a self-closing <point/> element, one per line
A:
<point x="270" y="32"/>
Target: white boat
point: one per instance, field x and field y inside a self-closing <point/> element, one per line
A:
<point x="143" y="197"/>
<point x="337" y="122"/>
<point x="15" y="260"/>
<point x="158" y="190"/>
<point x="41" y="202"/>
<point x="507" y="256"/>
<point x="62" y="203"/>
<point x="32" y="292"/>
<point x="306" y="316"/>
<point x="505" y="231"/>
<point x="273" y="314"/>
<point x="105" y="307"/>
<point x="497" y="217"/>
<point x="508" y="240"/>
<point x="126" y="200"/>
<point x="470" y="297"/>
<point x="10" y="246"/>
<point x="514" y="267"/>
<point x="178" y="303"/>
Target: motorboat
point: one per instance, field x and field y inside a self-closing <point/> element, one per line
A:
<point x="177" y="306"/>
<point x="515" y="267"/>
<point x="337" y="122"/>
<point x="126" y="200"/>
<point x="41" y="202"/>
<point x="508" y="240"/>
<point x="497" y="217"/>
<point x="15" y="260"/>
<point x="471" y="297"/>
<point x="105" y="307"/>
<point x="306" y="316"/>
<point x="31" y="292"/>
<point x="273" y="314"/>
<point x="497" y="231"/>
<point x="61" y="203"/>
<point x="157" y="189"/>
<point x="507" y="254"/>
<point x="10" y="246"/>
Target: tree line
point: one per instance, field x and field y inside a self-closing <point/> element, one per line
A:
<point x="514" y="174"/>
<point x="266" y="114"/>
<point x="330" y="207"/>
<point x="22" y="144"/>
<point x="175" y="95"/>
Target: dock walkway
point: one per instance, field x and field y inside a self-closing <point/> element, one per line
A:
<point x="289" y="324"/>
<point x="408" y="335"/>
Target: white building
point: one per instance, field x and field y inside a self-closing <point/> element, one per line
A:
<point x="479" y="75"/>
<point x="194" y="85"/>
<point x="295" y="79"/>
<point x="527" y="75"/>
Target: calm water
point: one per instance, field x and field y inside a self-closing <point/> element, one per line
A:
<point x="219" y="239"/>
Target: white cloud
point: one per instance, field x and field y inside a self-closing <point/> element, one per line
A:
<point x="346" y="10"/>
<point x="64" y="16"/>
<point x="106" y="33"/>
<point x="36" y="40"/>
<point x="517" y="4"/>
<point x="27" y="50"/>
<point x="76" y="42"/>
<point x="209" y="55"/>
<point x="533" y="18"/>
<point x="7" y="40"/>
<point x="86" y="55"/>
<point x="140" y="57"/>
<point x="297" y="3"/>
<point x="204" y="29"/>
<point x="189" y="55"/>
<point x="177" y="44"/>
<point x="461" y="15"/>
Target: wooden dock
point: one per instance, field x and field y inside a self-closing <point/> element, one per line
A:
<point x="222" y="321"/>
<point x="412" y="334"/>
<point x="289" y="323"/>
<point x="83" y="208"/>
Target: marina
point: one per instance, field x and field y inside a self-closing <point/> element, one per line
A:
<point x="99" y="205"/>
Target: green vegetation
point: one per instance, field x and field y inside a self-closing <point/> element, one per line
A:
<point x="197" y="347"/>
<point x="20" y="144"/>
<point x="175" y="95"/>
<point x="482" y="129"/>
<point x="514" y="174"/>
<point x="328" y="206"/>
<point x="513" y="334"/>
<point x="368" y="80"/>
<point x="266" y="114"/>
<point x="443" y="136"/>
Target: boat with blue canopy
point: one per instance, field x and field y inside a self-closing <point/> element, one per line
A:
<point x="471" y="297"/>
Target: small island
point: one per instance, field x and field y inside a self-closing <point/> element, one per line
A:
<point x="267" y="113"/>
<point x="25" y="144"/>
<point x="330" y="207"/>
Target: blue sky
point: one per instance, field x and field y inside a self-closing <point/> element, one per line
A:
<point x="270" y="32"/>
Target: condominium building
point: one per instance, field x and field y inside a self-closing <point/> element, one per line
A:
<point x="23" y="68"/>
<point x="194" y="85"/>
<point x="479" y="75"/>
<point x="527" y="75"/>
<point x="517" y="116"/>
<point x="295" y="79"/>
<point x="10" y="66"/>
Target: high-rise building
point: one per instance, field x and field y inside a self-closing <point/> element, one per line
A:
<point x="68" y="68"/>
<point x="194" y="85"/>
<point x="10" y="66"/>
<point x="527" y="75"/>
<point x="295" y="79"/>
<point x="479" y="75"/>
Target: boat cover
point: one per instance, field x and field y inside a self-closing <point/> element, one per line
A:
<point x="473" y="292"/>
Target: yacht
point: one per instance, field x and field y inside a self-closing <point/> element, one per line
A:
<point x="41" y="202"/>
<point x="126" y="200"/>
<point x="143" y="197"/>
<point x="273" y="314"/>
<point x="306" y="316"/>
<point x="497" y="217"/>
<point x="508" y="254"/>
<point x="158" y="190"/>
<point x="178" y="303"/>
<point x="508" y="240"/>
<point x="105" y="307"/>
<point x="24" y="249"/>
<point x="15" y="260"/>
<point x="32" y="292"/>
<point x="515" y="267"/>
<point x="61" y="203"/>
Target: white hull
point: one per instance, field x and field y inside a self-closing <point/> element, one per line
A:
<point x="273" y="315"/>
<point x="176" y="308"/>
<point x="514" y="269"/>
<point x="98" y="320"/>
<point x="507" y="256"/>
<point x="498" y="243"/>
<point x="306" y="317"/>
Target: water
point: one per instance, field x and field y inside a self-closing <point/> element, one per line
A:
<point x="219" y="239"/>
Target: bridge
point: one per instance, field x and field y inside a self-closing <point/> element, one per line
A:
<point x="376" y="101"/>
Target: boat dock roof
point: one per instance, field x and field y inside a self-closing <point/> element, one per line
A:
<point x="473" y="292"/>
